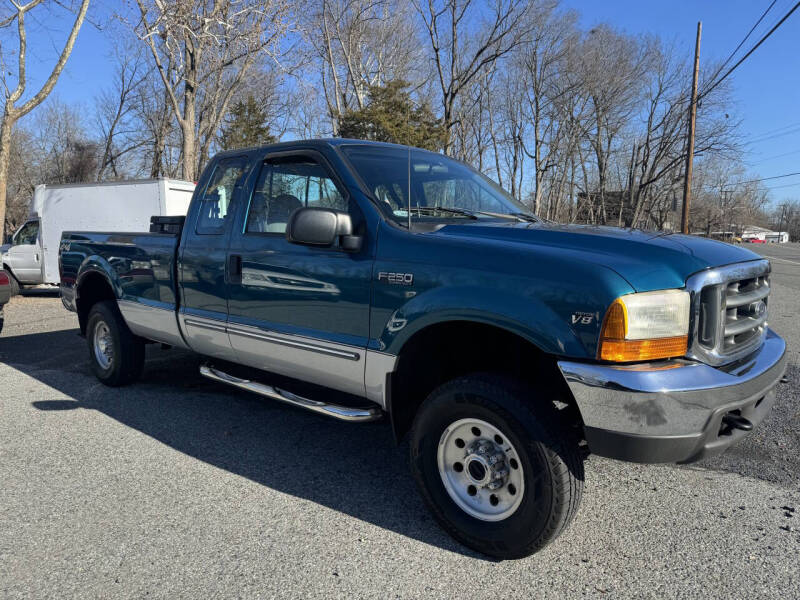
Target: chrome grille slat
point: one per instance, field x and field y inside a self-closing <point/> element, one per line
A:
<point x="742" y="298"/>
<point x="736" y="326"/>
<point x="729" y="311"/>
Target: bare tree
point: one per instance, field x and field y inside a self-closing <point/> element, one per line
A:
<point x="12" y="112"/>
<point x="359" y="44"/>
<point x="203" y="52"/>
<point x="612" y="65"/>
<point x="461" y="55"/>
<point x="540" y="64"/>
<point x="115" y="113"/>
<point x="21" y="177"/>
<point x="65" y="151"/>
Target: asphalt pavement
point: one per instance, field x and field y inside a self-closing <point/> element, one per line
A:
<point x="177" y="487"/>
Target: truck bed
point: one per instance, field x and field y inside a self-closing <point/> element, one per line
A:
<point x="142" y="265"/>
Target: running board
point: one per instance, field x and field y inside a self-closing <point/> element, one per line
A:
<point x="343" y="413"/>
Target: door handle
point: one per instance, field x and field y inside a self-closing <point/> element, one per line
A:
<point x="235" y="268"/>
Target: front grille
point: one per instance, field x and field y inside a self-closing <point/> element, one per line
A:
<point x="729" y="311"/>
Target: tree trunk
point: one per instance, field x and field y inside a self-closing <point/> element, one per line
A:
<point x="189" y="120"/>
<point x="5" y="154"/>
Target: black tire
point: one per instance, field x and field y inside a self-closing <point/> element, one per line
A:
<point x="548" y="450"/>
<point x="126" y="360"/>
<point x="14" y="283"/>
<point x="1" y="319"/>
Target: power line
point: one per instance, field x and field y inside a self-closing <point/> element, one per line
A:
<point x="749" y="33"/>
<point x="785" y="185"/>
<point x="768" y="178"/>
<point x="753" y="49"/>
<point x="763" y="160"/>
<point x="761" y="139"/>
<point x="776" y="130"/>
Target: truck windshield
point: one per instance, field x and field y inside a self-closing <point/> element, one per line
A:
<point x="440" y="187"/>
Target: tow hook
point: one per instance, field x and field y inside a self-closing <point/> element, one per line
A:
<point x="737" y="422"/>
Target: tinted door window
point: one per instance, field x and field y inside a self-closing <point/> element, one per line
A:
<point x="217" y="197"/>
<point x="286" y="186"/>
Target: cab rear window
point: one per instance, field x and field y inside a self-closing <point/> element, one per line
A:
<point x="217" y="198"/>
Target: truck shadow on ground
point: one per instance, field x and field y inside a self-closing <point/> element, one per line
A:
<point x="356" y="469"/>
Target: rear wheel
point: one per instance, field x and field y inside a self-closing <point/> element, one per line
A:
<point x="116" y="355"/>
<point x="14" y="283"/>
<point x="498" y="467"/>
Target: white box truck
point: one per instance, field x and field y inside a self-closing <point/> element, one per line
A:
<point x="32" y="256"/>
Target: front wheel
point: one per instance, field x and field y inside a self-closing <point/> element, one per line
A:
<point x="116" y="355"/>
<point x="499" y="468"/>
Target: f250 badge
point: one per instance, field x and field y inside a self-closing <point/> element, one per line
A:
<point x="396" y="278"/>
<point x="582" y="318"/>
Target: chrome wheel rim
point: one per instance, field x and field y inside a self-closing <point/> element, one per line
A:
<point x="480" y="469"/>
<point x="103" y="346"/>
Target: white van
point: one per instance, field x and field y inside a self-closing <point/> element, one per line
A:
<point x="32" y="256"/>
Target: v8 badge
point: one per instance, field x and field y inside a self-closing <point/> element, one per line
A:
<point x="582" y="318"/>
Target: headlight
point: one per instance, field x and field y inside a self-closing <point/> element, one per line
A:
<point x="645" y="326"/>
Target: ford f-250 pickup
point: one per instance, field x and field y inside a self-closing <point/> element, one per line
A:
<point x="360" y="279"/>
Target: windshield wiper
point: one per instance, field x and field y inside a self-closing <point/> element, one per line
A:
<point x="526" y="217"/>
<point x="446" y="209"/>
<point x="520" y="216"/>
<point x="473" y="214"/>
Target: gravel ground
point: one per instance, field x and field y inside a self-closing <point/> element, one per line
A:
<point x="178" y="487"/>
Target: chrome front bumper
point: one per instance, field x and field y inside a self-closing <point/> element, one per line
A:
<point x="672" y="411"/>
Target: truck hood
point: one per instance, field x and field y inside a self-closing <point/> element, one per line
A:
<point x="647" y="260"/>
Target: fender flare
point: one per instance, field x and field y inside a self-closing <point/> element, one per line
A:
<point x="527" y="318"/>
<point x="95" y="265"/>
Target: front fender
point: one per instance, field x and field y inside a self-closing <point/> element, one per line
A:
<point x="527" y="317"/>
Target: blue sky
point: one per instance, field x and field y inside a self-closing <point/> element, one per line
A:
<point x="766" y="86"/>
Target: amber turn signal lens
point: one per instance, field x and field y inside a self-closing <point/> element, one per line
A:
<point x="615" y="347"/>
<point x="632" y="350"/>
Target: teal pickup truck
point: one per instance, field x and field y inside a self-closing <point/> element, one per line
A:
<point x="362" y="280"/>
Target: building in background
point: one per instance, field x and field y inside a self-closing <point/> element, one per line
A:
<point x="762" y="235"/>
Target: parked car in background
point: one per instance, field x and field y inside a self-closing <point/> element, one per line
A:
<point x="5" y="294"/>
<point x="32" y="256"/>
<point x="360" y="280"/>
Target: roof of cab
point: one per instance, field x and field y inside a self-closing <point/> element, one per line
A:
<point x="318" y="142"/>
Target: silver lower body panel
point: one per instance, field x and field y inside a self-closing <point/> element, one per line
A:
<point x="152" y="322"/>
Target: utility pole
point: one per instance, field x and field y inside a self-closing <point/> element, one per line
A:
<point x="687" y="184"/>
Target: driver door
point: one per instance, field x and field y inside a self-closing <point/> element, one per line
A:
<point x="25" y="255"/>
<point x="297" y="310"/>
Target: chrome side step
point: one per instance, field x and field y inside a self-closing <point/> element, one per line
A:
<point x="343" y="413"/>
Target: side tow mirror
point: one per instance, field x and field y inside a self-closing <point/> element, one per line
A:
<point x="313" y="226"/>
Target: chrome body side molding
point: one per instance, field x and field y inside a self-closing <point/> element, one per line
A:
<point x="207" y="336"/>
<point x="293" y="342"/>
<point x="342" y="413"/>
<point x="341" y="367"/>
<point x="336" y="366"/>
<point x="153" y="322"/>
